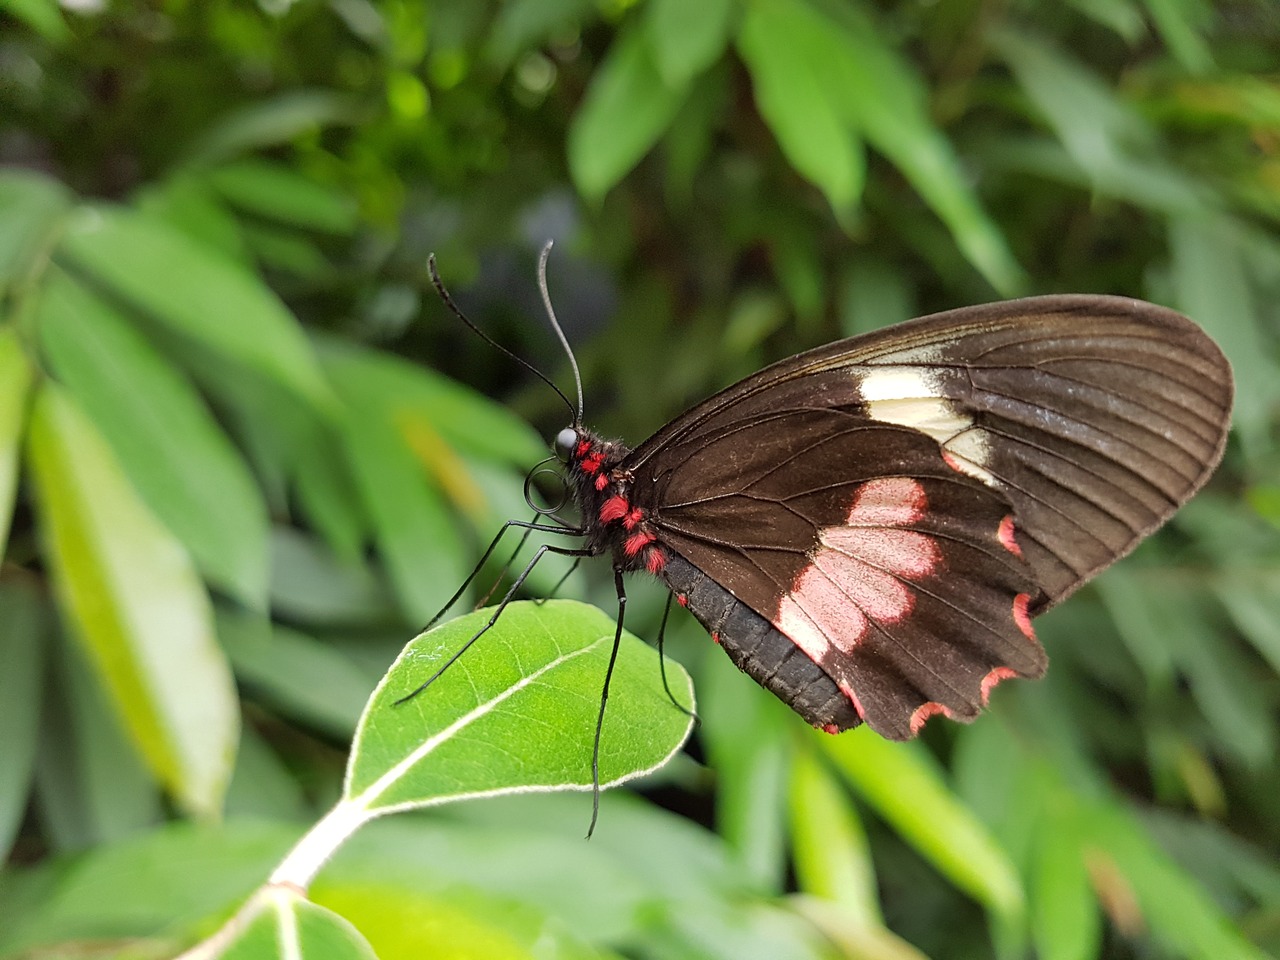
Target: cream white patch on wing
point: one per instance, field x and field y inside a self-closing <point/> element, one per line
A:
<point x="912" y="397"/>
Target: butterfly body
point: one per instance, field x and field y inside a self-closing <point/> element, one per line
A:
<point x="868" y="528"/>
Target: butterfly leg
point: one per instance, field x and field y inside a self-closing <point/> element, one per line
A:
<point x="559" y="583"/>
<point x="542" y="551"/>
<point x="662" y="662"/>
<point x="604" y="699"/>
<point x="529" y="528"/>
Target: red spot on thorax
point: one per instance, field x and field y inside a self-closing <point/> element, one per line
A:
<point x="615" y="508"/>
<point x="991" y="679"/>
<point x="1006" y="535"/>
<point x="924" y="712"/>
<point x="633" y="518"/>
<point x="602" y="481"/>
<point x="637" y="542"/>
<point x="581" y="449"/>
<point x="1021" y="616"/>
<point x="655" y="560"/>
<point x="591" y="463"/>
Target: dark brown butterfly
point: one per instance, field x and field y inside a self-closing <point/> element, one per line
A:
<point x="868" y="528"/>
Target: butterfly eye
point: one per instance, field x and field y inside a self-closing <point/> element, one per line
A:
<point x="565" y="441"/>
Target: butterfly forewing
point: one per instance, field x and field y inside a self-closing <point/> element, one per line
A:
<point x="898" y="505"/>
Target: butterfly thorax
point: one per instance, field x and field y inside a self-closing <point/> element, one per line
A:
<point x="602" y="487"/>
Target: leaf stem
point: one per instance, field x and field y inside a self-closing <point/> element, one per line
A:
<point x="310" y="853"/>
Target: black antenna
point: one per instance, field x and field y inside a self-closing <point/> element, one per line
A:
<point x="453" y="307"/>
<point x="555" y="325"/>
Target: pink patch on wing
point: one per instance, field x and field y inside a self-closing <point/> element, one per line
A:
<point x="1006" y="535"/>
<point x="888" y="502"/>
<point x="991" y="679"/>
<point x="924" y="712"/>
<point x="1021" y="616"/>
<point x="859" y="571"/>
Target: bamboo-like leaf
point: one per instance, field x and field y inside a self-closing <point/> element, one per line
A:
<point x="786" y="46"/>
<point x="275" y="191"/>
<point x="686" y="38"/>
<point x="908" y="791"/>
<point x="31" y="207"/>
<point x="23" y="632"/>
<point x="137" y="604"/>
<point x="627" y="108"/>
<point x="15" y="385"/>
<point x="832" y="857"/>
<point x="198" y="293"/>
<point x="173" y="450"/>
<point x="1066" y="924"/>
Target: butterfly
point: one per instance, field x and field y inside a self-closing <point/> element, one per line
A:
<point x="869" y="528"/>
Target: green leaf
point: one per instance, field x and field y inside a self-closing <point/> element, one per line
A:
<point x="451" y="923"/>
<point x="43" y="16"/>
<point x="829" y="843"/>
<point x="97" y="787"/>
<point x="172" y="449"/>
<point x="15" y="386"/>
<point x="686" y="38"/>
<point x="271" y="121"/>
<point x="281" y="923"/>
<point x="23" y="632"/>
<point x="904" y="786"/>
<point x="464" y="418"/>
<point x="516" y="713"/>
<point x="1212" y="285"/>
<point x="1176" y="22"/>
<point x="521" y="25"/>
<point x="1120" y="16"/>
<point x="280" y="193"/>
<point x="299" y="676"/>
<point x="627" y="108"/>
<point x="1177" y="911"/>
<point x="31" y="207"/>
<point x="197" y="293"/>
<point x="178" y="875"/>
<point x="884" y="96"/>
<point x="785" y="44"/>
<point x="1065" y="921"/>
<point x="137" y="604"/>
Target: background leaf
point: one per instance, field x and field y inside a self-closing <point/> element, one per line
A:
<point x="139" y="609"/>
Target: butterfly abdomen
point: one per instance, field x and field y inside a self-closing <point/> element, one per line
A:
<point x="759" y="649"/>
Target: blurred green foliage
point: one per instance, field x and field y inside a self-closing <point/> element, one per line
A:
<point x="238" y="466"/>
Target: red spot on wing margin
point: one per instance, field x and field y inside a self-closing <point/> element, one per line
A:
<point x="991" y="679"/>
<point x="1021" y="616"/>
<point x="924" y="712"/>
<point x="1005" y="533"/>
